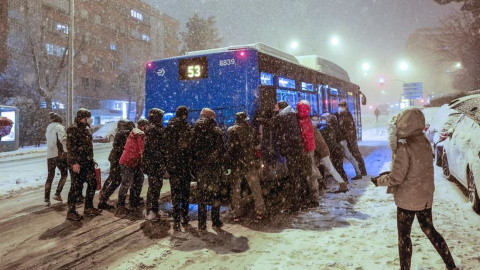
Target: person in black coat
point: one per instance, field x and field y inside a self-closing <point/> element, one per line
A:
<point x="154" y="161"/>
<point x="290" y="145"/>
<point x="81" y="165"/>
<point x="209" y="151"/>
<point x="336" y="150"/>
<point x="115" y="176"/>
<point x="177" y="136"/>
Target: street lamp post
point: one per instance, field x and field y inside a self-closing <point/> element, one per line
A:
<point x="71" y="36"/>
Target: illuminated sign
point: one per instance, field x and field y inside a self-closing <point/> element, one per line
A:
<point x="333" y="91"/>
<point x="307" y="86"/>
<point x="286" y="83"/>
<point x="266" y="78"/>
<point x="193" y="68"/>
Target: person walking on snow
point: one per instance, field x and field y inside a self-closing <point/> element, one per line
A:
<point x="411" y="181"/>
<point x="81" y="165"/>
<point x="132" y="173"/>
<point x="114" y="179"/>
<point x="377" y="113"/>
<point x="56" y="156"/>
<point x="154" y="162"/>
<point x="242" y="141"/>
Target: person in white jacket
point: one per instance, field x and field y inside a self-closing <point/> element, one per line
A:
<point x="56" y="156"/>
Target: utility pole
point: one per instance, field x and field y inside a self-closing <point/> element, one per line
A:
<point x="71" y="54"/>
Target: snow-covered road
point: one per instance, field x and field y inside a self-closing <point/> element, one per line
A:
<point x="355" y="230"/>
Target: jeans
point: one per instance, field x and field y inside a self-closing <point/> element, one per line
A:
<point x="132" y="178"/>
<point x="251" y="175"/>
<point x="86" y="174"/>
<point x="180" y="187"/>
<point x="62" y="165"/>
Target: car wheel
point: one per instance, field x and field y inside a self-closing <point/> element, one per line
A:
<point x="110" y="139"/>
<point x="446" y="170"/>
<point x="472" y="192"/>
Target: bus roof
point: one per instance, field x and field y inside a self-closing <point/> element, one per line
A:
<point x="255" y="46"/>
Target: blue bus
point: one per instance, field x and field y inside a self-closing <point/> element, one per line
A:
<point x="250" y="78"/>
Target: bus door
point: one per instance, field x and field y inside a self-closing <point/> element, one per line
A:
<point x="332" y="100"/>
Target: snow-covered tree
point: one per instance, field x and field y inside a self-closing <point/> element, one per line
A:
<point x="201" y="34"/>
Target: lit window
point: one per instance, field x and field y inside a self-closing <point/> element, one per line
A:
<point x="137" y="15"/>
<point x="145" y="38"/>
<point x="113" y="46"/>
<point x="62" y="28"/>
<point x="60" y="50"/>
<point x="49" y="48"/>
<point x="113" y="66"/>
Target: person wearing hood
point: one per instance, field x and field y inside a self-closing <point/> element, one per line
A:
<point x="81" y="165"/>
<point x="132" y="173"/>
<point x="412" y="183"/>
<point x="347" y="137"/>
<point x="309" y="146"/>
<point x="154" y="162"/>
<point x="178" y="135"/>
<point x="208" y="147"/>
<point x="290" y="145"/>
<point x="242" y="142"/>
<point x="56" y="156"/>
<point x="124" y="127"/>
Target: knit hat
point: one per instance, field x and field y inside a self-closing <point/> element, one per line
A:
<point x="207" y="113"/>
<point x="155" y="116"/>
<point x="142" y="122"/>
<point x="82" y="113"/>
<point x="181" y="112"/>
<point x="241" y="117"/>
<point x="342" y="103"/>
<point x="54" y="117"/>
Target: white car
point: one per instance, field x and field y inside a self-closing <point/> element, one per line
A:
<point x="461" y="154"/>
<point x="106" y="133"/>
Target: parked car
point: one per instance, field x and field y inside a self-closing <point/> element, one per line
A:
<point x="461" y="154"/>
<point x="106" y="133"/>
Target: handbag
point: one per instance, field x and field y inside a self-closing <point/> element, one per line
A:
<point x="98" y="176"/>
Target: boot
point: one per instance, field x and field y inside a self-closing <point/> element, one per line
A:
<point x="91" y="212"/>
<point x="121" y="211"/>
<point x="105" y="206"/>
<point x="151" y="216"/>
<point x="57" y="197"/>
<point x="72" y="214"/>
<point x="342" y="188"/>
<point x="46" y="203"/>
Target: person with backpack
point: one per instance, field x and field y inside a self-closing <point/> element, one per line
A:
<point x="56" y="156"/>
<point x="178" y="154"/>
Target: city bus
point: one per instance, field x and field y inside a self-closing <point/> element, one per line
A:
<point x="250" y="78"/>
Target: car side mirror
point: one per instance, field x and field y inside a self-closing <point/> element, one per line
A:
<point x="364" y="100"/>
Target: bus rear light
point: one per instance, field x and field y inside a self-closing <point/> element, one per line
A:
<point x="242" y="54"/>
<point x="149" y="65"/>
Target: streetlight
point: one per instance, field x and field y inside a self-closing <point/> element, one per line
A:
<point x="335" y="41"/>
<point x="294" y="45"/>
<point x="366" y="67"/>
<point x="403" y="66"/>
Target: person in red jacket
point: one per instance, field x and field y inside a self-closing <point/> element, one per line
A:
<point x="132" y="173"/>
<point x="308" y="138"/>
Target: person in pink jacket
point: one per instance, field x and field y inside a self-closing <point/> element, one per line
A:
<point x="308" y="138"/>
<point x="132" y="173"/>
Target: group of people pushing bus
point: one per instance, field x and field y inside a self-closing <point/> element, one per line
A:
<point x="201" y="153"/>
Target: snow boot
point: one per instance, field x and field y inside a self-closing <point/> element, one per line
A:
<point x="105" y="206"/>
<point x="151" y="216"/>
<point x="342" y="188"/>
<point x="75" y="216"/>
<point x="57" y="197"/>
<point x="176" y="227"/>
<point x="91" y="212"/>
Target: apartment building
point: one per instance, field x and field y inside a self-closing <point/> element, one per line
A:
<point x="113" y="41"/>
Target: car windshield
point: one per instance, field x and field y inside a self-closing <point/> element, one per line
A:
<point x="108" y="127"/>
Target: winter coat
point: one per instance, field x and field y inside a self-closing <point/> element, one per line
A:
<point x="328" y="134"/>
<point x="178" y="153"/>
<point x="154" y="150"/>
<point x="55" y="134"/>
<point x="79" y="144"/>
<point x="118" y="145"/>
<point x="289" y="138"/>
<point x="346" y="126"/>
<point x="412" y="173"/>
<point x="321" y="150"/>
<point x="306" y="127"/>
<point x="208" y="145"/>
<point x="242" y="140"/>
<point x="133" y="151"/>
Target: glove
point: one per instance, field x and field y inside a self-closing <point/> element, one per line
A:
<point x="374" y="180"/>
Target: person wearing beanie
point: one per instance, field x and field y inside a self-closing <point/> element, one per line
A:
<point x="56" y="156"/>
<point x="81" y="165"/>
<point x="154" y="163"/>
<point x="209" y="153"/>
<point x="124" y="127"/>
<point x="178" y="136"/>
<point x="242" y="142"/>
<point x="132" y="173"/>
